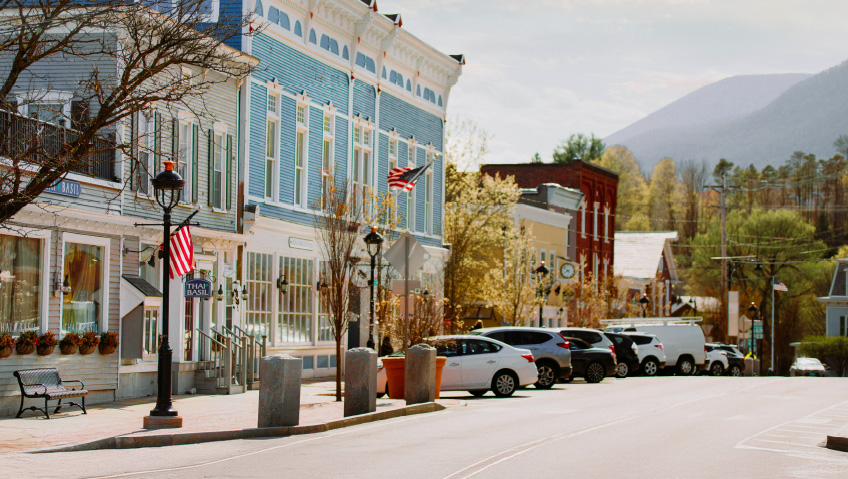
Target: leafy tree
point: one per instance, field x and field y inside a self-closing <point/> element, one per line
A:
<point x="662" y="204"/>
<point x="580" y="146"/>
<point x="831" y="350"/>
<point x="722" y="169"/>
<point x="513" y="286"/>
<point x="536" y="158"/>
<point x="693" y="179"/>
<point x="630" y="214"/>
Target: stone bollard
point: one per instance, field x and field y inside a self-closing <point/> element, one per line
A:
<point x="279" y="390"/>
<point x="420" y="374"/>
<point x="360" y="381"/>
<point x="752" y="367"/>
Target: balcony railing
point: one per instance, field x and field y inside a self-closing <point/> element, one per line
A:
<point x="22" y="136"/>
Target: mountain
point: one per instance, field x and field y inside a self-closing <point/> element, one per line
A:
<point x="756" y="120"/>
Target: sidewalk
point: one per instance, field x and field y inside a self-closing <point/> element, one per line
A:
<point x="205" y="418"/>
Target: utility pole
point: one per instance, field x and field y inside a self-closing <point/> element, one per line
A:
<point x="724" y="285"/>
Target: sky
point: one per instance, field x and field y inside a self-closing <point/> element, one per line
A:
<point x="538" y="71"/>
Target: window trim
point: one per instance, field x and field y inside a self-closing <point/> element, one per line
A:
<point x="272" y="117"/>
<point x="106" y="243"/>
<point x="46" y="237"/>
<point x="302" y="128"/>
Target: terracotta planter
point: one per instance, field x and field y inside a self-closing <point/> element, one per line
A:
<point x="108" y="349"/>
<point x="396" y="376"/>
<point x="5" y="352"/>
<point x="24" y="349"/>
<point x="87" y="349"/>
<point x="46" y="350"/>
<point x="68" y="348"/>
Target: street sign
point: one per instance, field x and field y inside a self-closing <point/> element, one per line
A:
<point x="65" y="188"/>
<point x="397" y="254"/>
<point x="198" y="288"/>
<point x="758" y="329"/>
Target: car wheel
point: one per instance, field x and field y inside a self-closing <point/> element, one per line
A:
<point x="594" y="372"/>
<point x="478" y="393"/>
<point x="685" y="367"/>
<point x="716" y="369"/>
<point x="650" y="367"/>
<point x="504" y="384"/>
<point x="622" y="370"/>
<point x="735" y="371"/>
<point x="547" y="375"/>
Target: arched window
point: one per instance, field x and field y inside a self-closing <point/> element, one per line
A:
<point x="400" y="80"/>
<point x="284" y="21"/>
<point x="384" y="72"/>
<point x="408" y="85"/>
<point x="393" y="76"/>
<point x="312" y="38"/>
<point x="360" y="60"/>
<point x="345" y="54"/>
<point x="257" y="8"/>
<point x="273" y="15"/>
<point x="334" y="46"/>
<point x="418" y="90"/>
<point x="369" y="65"/>
<point x="297" y="29"/>
<point x="440" y="100"/>
<point x="325" y="41"/>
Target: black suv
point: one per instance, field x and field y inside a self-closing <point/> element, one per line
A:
<point x="592" y="363"/>
<point x="626" y="353"/>
<point x="549" y="348"/>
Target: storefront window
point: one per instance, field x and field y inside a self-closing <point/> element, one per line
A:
<point x="294" y="324"/>
<point x="83" y="306"/>
<point x="151" y="331"/>
<point x="259" y="286"/>
<point x="20" y="278"/>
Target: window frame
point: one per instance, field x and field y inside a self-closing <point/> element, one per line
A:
<point x="301" y="153"/>
<point x="362" y="161"/>
<point x="219" y="152"/>
<point x="327" y="151"/>
<point x="272" y="163"/>
<point x="98" y="241"/>
<point x="189" y="125"/>
<point x="44" y="286"/>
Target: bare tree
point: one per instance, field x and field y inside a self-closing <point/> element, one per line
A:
<point x="135" y="55"/>
<point x="513" y="288"/>
<point x="341" y="211"/>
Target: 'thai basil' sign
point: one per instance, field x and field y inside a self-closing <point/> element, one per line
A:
<point x="198" y="288"/>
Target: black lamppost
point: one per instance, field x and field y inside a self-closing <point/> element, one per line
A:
<point x="374" y="242"/>
<point x="541" y="274"/>
<point x="167" y="187"/>
<point x="644" y="302"/>
<point x="753" y="310"/>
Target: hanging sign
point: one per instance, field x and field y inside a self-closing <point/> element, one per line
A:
<point x="65" y="188"/>
<point x="198" y="288"/>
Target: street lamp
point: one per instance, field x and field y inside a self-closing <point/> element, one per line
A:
<point x="541" y="274"/>
<point x="167" y="188"/>
<point x="374" y="242"/>
<point x="644" y="302"/>
<point x="753" y="310"/>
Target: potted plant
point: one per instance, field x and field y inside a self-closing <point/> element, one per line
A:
<point x="70" y="343"/>
<point x="7" y="343"/>
<point x="26" y="342"/>
<point x="89" y="343"/>
<point x="46" y="344"/>
<point x="108" y="342"/>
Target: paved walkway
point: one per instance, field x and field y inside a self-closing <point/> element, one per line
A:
<point x="200" y="414"/>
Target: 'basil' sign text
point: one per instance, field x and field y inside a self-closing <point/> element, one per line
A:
<point x="198" y="288"/>
<point x="65" y="188"/>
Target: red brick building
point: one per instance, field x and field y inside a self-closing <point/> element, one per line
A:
<point x="594" y="221"/>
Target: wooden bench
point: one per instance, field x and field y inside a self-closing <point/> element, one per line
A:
<point x="47" y="384"/>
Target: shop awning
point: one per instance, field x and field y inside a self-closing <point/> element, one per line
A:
<point x="135" y="290"/>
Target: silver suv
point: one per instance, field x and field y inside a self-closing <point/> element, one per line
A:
<point x="549" y="348"/>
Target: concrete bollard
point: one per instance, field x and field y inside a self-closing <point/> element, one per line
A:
<point x="752" y="367"/>
<point x="420" y="374"/>
<point x="279" y="390"/>
<point x="360" y="381"/>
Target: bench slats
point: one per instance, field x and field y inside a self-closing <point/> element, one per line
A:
<point x="47" y="384"/>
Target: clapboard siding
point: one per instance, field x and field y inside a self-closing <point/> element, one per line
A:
<point x="409" y="120"/>
<point x="230" y="11"/>
<point x="288" y="142"/>
<point x="364" y="99"/>
<point x="314" y="153"/>
<point x="340" y="146"/>
<point x="420" y="160"/>
<point x="258" y="132"/>
<point x="382" y="164"/>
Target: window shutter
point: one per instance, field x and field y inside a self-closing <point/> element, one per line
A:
<point x="79" y="114"/>
<point x="175" y="139"/>
<point x="157" y="139"/>
<point x="134" y="151"/>
<point x="195" y="134"/>
<point x="228" y="176"/>
<point x="210" y="186"/>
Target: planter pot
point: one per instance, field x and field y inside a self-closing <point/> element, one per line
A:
<point x="46" y="350"/>
<point x="87" y="349"/>
<point x="25" y="349"/>
<point x="5" y="352"/>
<point x="108" y="349"/>
<point x="396" y="376"/>
<point x="69" y="349"/>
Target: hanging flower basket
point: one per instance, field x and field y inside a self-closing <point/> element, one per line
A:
<point x="87" y="349"/>
<point x="24" y="349"/>
<point x="7" y="344"/>
<point x="5" y="352"/>
<point x="26" y="343"/>
<point x="108" y="342"/>
<point x="70" y="343"/>
<point x="90" y="340"/>
<point x="68" y="348"/>
<point x="46" y="350"/>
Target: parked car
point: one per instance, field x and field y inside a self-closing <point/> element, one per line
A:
<point x="592" y="336"/>
<point x="477" y="364"/>
<point x="683" y="343"/>
<point x="807" y="367"/>
<point x="549" y="348"/>
<point x="735" y="358"/>
<point x="592" y="363"/>
<point x="650" y="351"/>
<point x="627" y="354"/>
<point x="717" y="362"/>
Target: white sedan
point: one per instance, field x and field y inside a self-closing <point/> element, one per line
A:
<point x="477" y="364"/>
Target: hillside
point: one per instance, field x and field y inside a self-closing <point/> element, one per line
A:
<point x="749" y="120"/>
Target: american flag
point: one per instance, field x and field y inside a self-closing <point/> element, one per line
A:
<point x="405" y="178"/>
<point x="182" y="252"/>
<point x="779" y="286"/>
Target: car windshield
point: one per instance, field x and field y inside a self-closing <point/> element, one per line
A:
<point x="809" y="362"/>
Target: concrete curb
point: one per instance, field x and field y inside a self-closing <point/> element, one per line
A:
<point x="837" y="443"/>
<point x="175" y="439"/>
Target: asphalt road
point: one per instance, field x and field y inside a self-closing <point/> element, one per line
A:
<point x="635" y="427"/>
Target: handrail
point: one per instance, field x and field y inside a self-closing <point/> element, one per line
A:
<point x="210" y="338"/>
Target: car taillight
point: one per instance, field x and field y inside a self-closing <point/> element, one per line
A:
<point x="528" y="357"/>
<point x="612" y="348"/>
<point x="659" y="345"/>
<point x="565" y="344"/>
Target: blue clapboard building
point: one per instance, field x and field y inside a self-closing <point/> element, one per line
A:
<point x="340" y="88"/>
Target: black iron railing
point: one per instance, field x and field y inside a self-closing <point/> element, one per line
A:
<point x="40" y="142"/>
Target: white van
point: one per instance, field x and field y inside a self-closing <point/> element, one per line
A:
<point x="683" y="340"/>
